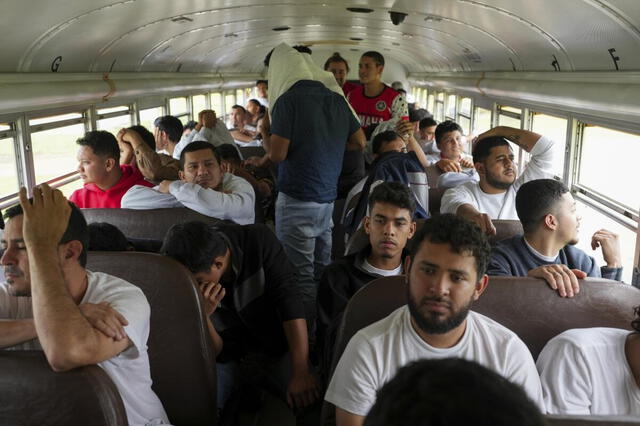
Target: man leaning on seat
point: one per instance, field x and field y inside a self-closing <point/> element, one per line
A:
<point x="78" y="317"/>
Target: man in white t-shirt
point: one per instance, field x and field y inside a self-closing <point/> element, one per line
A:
<point x="494" y="196"/>
<point x="209" y="129"/>
<point x="389" y="226"/>
<point x="203" y="187"/>
<point x="51" y="302"/>
<point x="592" y="371"/>
<point x="445" y="273"/>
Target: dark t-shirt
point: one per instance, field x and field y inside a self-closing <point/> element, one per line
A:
<point x="318" y="123"/>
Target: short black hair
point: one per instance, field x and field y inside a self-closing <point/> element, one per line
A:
<point x="191" y="124"/>
<point x="483" y="147"/>
<point x="335" y="58"/>
<point x="461" y="234"/>
<point x="103" y="144"/>
<point x="171" y="125"/>
<point x="452" y="391"/>
<point x="635" y="324"/>
<point x="427" y="122"/>
<point x="76" y="228"/>
<point x="146" y="135"/>
<point x="376" y="56"/>
<point x="444" y="128"/>
<point x="197" y="146"/>
<point x="262" y="81"/>
<point x="394" y="193"/>
<point x="537" y="198"/>
<point x="228" y="152"/>
<point x="381" y="139"/>
<point x="194" y="244"/>
<point x="240" y="107"/>
<point x="106" y="237"/>
<point x="300" y="48"/>
<point x="418" y="114"/>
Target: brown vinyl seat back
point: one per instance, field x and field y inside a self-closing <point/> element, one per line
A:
<point x="180" y="349"/>
<point x="251" y="151"/>
<point x="145" y="224"/>
<point x="433" y="173"/>
<point x="527" y="306"/>
<point x="504" y="229"/>
<point x="33" y="394"/>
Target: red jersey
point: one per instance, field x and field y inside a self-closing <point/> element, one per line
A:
<point x="93" y="197"/>
<point x="386" y="105"/>
<point x="348" y="87"/>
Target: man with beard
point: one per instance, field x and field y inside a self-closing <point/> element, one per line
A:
<point x="494" y="196"/>
<point x="445" y="275"/>
<point x="546" y="250"/>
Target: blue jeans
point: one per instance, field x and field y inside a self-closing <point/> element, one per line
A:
<point x="304" y="229"/>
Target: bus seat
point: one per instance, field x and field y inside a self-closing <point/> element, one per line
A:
<point x="251" y="151"/>
<point x="33" y="394"/>
<point x="504" y="229"/>
<point x="145" y="224"/>
<point x="180" y="349"/>
<point x="561" y="420"/>
<point x="527" y="306"/>
<point x="338" y="231"/>
<point x="433" y="173"/>
<point x="435" y="199"/>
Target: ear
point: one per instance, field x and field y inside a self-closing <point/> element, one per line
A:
<point x="480" y="168"/>
<point x="481" y="286"/>
<point x="407" y="268"/>
<point x="366" y="223"/>
<point x="412" y="229"/>
<point x="110" y="163"/>
<point x="181" y="175"/>
<point x="550" y="221"/>
<point x="70" y="252"/>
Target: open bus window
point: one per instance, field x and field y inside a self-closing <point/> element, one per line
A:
<point x="114" y="124"/>
<point x="431" y="102"/>
<point x="55" y="151"/>
<point x="240" y="97"/>
<point x="199" y="104"/>
<point x="8" y="172"/>
<point x="464" y="115"/>
<point x="592" y="221"/>
<point x="555" y="128"/>
<point x="216" y="103"/>
<point x="607" y="164"/>
<point x="482" y="120"/>
<point x="149" y="115"/>
<point x="451" y="107"/>
<point x="178" y="106"/>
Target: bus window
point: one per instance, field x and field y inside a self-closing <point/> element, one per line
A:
<point x="451" y="107"/>
<point x="509" y="116"/>
<point x="607" y="164"/>
<point x="464" y="115"/>
<point x="55" y="118"/>
<point x="178" y="106"/>
<point x="114" y="119"/>
<point x="229" y="102"/>
<point x="240" y="100"/>
<point x="482" y="120"/>
<point x="8" y="172"/>
<point x="556" y="129"/>
<point x="55" y="151"/>
<point x="439" y="111"/>
<point x="199" y="103"/>
<point x="216" y="103"/>
<point x="592" y="221"/>
<point x="431" y="101"/>
<point x="149" y="115"/>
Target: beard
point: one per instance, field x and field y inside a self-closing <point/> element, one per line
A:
<point x="433" y="323"/>
<point x="19" y="275"/>
<point x="496" y="183"/>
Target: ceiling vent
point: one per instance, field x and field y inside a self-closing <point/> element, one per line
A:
<point x="281" y="28"/>
<point x="433" y="18"/>
<point x="355" y="38"/>
<point x="230" y="35"/>
<point x="181" y="19"/>
<point x="359" y="10"/>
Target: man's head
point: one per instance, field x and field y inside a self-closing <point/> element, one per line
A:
<point x="452" y="391"/>
<point x="338" y="66"/>
<point x="445" y="272"/>
<point x="200" y="247"/>
<point x="229" y="154"/>
<point x="493" y="159"/>
<point x="72" y="248"/>
<point x="168" y="130"/>
<point x="200" y="164"/>
<point x="449" y="140"/>
<point x="416" y="116"/>
<point x="253" y="107"/>
<point x="547" y="206"/>
<point x="370" y="67"/>
<point x="390" y="222"/>
<point x="238" y="115"/>
<point x="427" y="129"/>
<point x="189" y="127"/>
<point x="300" y="48"/>
<point x="98" y="157"/>
<point x="386" y="142"/>
<point x="261" y="88"/>
<point x="146" y="135"/>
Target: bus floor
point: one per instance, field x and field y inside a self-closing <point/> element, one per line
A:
<point x="272" y="412"/>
